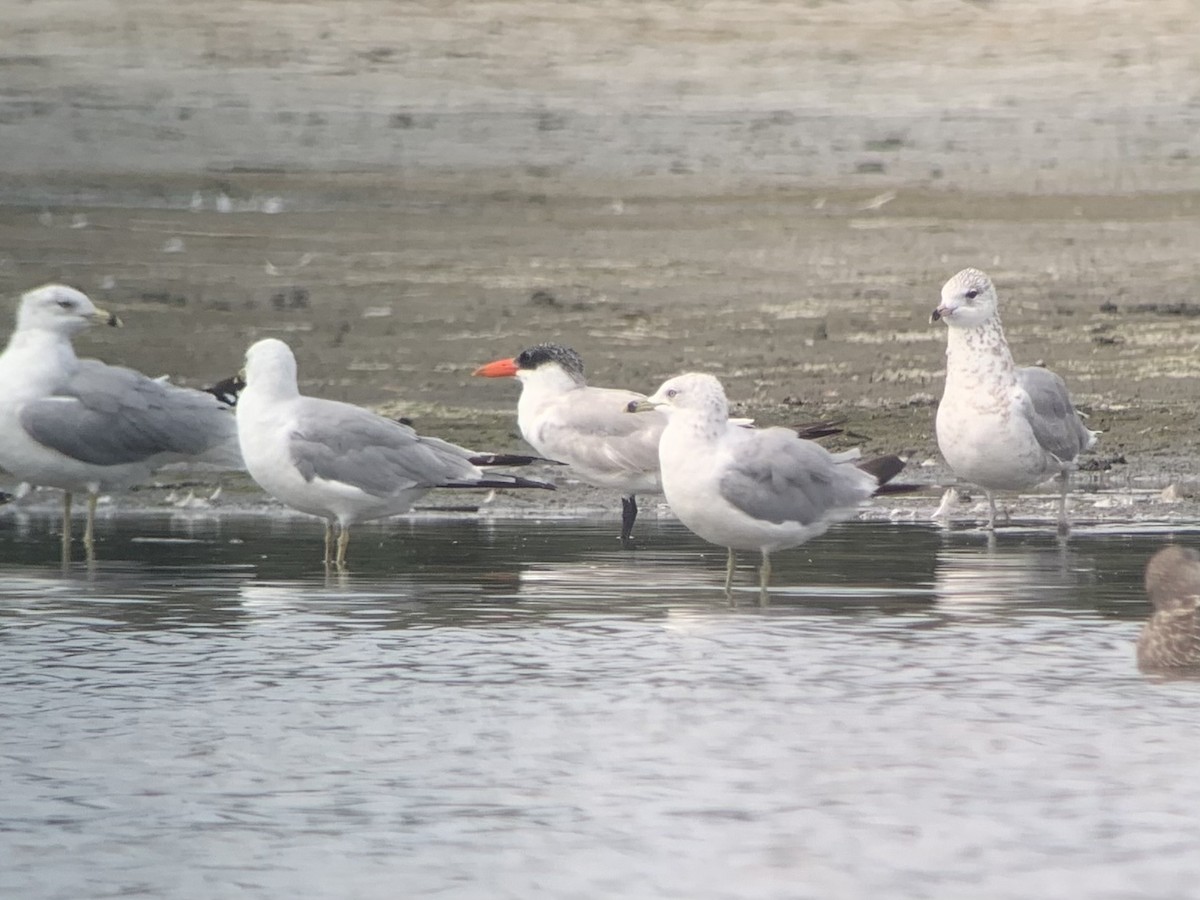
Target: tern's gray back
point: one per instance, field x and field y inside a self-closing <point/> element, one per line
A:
<point x="777" y="477"/>
<point x="109" y="415"/>
<point x="339" y="442"/>
<point x="591" y="428"/>
<point x="1056" y="424"/>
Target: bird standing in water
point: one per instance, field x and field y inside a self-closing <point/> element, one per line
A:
<point x="752" y="489"/>
<point x="340" y="461"/>
<point x="83" y="426"/>
<point x="565" y="419"/>
<point x="1001" y="426"/>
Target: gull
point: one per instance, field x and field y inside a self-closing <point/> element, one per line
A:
<point x="1170" y="638"/>
<point x="752" y="489"/>
<point x="1001" y="426"/>
<point x="83" y="426"/>
<point x="342" y="462"/>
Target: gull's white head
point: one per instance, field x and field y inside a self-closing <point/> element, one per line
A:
<point x="270" y="363"/>
<point x="61" y="309"/>
<point x="968" y="300"/>
<point x="694" y="392"/>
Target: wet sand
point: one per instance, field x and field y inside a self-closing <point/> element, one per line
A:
<point x="771" y="195"/>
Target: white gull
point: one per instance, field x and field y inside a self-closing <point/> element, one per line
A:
<point x="83" y="426"/>
<point x="752" y="489"/>
<point x="339" y="461"/>
<point x="1001" y="426"/>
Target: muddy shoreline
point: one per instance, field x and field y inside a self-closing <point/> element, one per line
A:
<point x="774" y="199"/>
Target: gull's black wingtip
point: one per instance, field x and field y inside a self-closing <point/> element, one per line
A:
<point x="811" y="431"/>
<point x="227" y="389"/>
<point x="497" y="480"/>
<point x="509" y="459"/>
<point x="885" y="468"/>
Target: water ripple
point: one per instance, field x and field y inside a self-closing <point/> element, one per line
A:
<point x="477" y="711"/>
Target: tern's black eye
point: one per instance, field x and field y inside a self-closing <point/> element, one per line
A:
<point x="972" y="294"/>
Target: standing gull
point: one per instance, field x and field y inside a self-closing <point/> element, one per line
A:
<point x="1000" y="426"/>
<point x="81" y="425"/>
<point x="1170" y="639"/>
<point x="339" y="461"/>
<point x="752" y="489"/>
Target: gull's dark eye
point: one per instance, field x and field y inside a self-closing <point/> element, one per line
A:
<point x="672" y="393"/>
<point x="972" y="294"/>
<point x="66" y="304"/>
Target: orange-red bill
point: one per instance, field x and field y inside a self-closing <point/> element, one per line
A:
<point x="501" y="368"/>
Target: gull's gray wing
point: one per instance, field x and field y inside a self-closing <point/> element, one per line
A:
<point x="592" y="429"/>
<point x="340" y="442"/>
<point x="777" y="477"/>
<point x="109" y="415"/>
<point x="1055" y="423"/>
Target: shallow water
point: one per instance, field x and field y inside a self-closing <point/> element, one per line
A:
<point x="514" y="709"/>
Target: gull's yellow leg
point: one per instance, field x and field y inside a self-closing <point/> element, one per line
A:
<point x="764" y="578"/>
<point x="342" y="542"/>
<point x="89" y="530"/>
<point x="328" y="544"/>
<point x="66" y="528"/>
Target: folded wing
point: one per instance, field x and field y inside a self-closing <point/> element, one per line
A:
<point x="109" y="415"/>
<point x="777" y="477"/>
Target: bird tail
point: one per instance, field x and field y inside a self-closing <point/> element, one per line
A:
<point x="811" y="431"/>
<point x="884" y="469"/>
<point x="500" y="480"/>
<point x="508" y="459"/>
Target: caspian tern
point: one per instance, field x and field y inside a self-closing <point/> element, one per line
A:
<point x="565" y="419"/>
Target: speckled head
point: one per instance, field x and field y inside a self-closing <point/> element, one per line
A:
<point x="968" y="300"/>
<point x="544" y="357"/>
<point x="1173" y="578"/>
<point x="543" y="354"/>
<point x="694" y="392"/>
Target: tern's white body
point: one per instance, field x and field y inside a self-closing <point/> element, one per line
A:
<point x="589" y="429"/>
